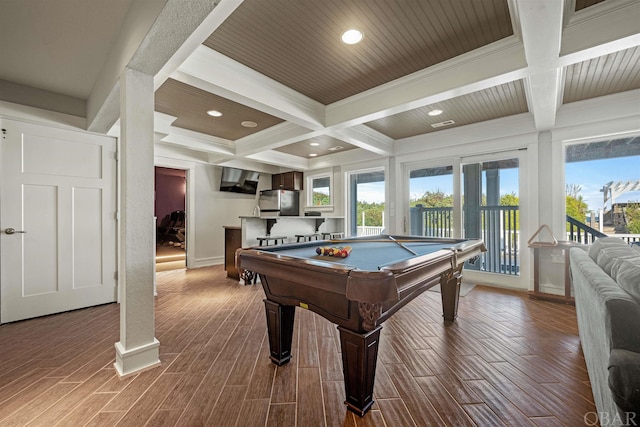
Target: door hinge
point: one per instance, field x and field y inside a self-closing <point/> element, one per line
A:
<point x="115" y="275"/>
<point x="117" y="216"/>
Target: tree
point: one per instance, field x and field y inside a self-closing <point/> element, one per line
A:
<point x="372" y="213"/>
<point x="573" y="190"/>
<point x="632" y="212"/>
<point x="434" y="199"/>
<point x="320" y="199"/>
<point x="511" y="199"/>
<point x="577" y="208"/>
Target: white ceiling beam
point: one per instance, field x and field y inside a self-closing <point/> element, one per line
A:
<point x="366" y="138"/>
<point x="278" y="158"/>
<point x="542" y="50"/>
<point x="222" y="11"/>
<point x="188" y="138"/>
<point x="603" y="28"/>
<point x="274" y="137"/>
<point x="500" y="62"/>
<point x="152" y="35"/>
<point x="342" y="158"/>
<point x="216" y="73"/>
<point x="197" y="143"/>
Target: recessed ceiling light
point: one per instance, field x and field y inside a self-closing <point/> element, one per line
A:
<point x="352" y="36"/>
<point x="314" y="144"/>
<point x="249" y="124"/>
<point x="214" y="113"/>
<point x="336" y="148"/>
<point x="312" y="155"/>
<point x="434" y="112"/>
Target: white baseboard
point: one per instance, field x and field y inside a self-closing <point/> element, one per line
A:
<point x="136" y="359"/>
<point x="206" y="262"/>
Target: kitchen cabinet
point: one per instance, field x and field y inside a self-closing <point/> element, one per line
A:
<point x="287" y="181"/>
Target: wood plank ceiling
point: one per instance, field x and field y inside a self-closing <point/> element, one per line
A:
<point x="297" y="44"/>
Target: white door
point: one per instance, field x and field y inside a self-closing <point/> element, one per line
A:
<point x="57" y="220"/>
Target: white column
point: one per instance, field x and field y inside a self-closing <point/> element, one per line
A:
<point x="138" y="348"/>
<point x="551" y="185"/>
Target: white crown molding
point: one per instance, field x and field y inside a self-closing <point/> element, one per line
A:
<point x="21" y="112"/>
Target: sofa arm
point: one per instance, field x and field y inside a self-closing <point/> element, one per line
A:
<point x="624" y="379"/>
<point x="622" y="316"/>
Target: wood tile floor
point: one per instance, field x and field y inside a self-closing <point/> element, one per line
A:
<point x="507" y="360"/>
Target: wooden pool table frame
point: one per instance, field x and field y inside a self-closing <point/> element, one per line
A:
<point x="357" y="301"/>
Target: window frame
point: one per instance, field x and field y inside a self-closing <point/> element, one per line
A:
<point x="309" y="191"/>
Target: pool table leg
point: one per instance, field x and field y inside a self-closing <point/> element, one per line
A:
<point x="280" y="325"/>
<point x="450" y="291"/>
<point x="359" y="356"/>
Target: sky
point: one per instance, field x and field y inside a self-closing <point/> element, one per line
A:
<point x="591" y="176"/>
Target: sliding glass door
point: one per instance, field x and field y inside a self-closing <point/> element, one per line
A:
<point x="474" y="198"/>
<point x="491" y="212"/>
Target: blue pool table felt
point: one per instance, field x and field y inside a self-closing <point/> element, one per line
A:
<point x="366" y="256"/>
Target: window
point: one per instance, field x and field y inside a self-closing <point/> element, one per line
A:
<point x="603" y="189"/>
<point x="319" y="193"/>
<point x="366" y="203"/>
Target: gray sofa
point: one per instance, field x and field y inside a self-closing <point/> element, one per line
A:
<point x="606" y="283"/>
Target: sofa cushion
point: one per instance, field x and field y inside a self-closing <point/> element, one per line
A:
<point x="608" y="256"/>
<point x="626" y="271"/>
<point x="624" y="379"/>
<point x="604" y="242"/>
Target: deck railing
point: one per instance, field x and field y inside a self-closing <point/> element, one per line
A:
<point x="369" y="230"/>
<point x="501" y="235"/>
<point x="580" y="232"/>
<point x="498" y="227"/>
<point x="500" y="230"/>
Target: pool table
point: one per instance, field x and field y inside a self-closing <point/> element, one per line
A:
<point x="359" y="292"/>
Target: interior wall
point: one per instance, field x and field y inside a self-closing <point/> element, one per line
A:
<point x="214" y="209"/>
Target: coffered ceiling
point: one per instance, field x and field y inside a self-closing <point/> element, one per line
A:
<point x="280" y="67"/>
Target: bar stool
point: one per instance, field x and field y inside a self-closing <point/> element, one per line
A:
<point x="307" y="237"/>
<point x="267" y="239"/>
<point x="332" y="235"/>
<point x="250" y="277"/>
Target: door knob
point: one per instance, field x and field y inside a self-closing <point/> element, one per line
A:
<point x="12" y="231"/>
